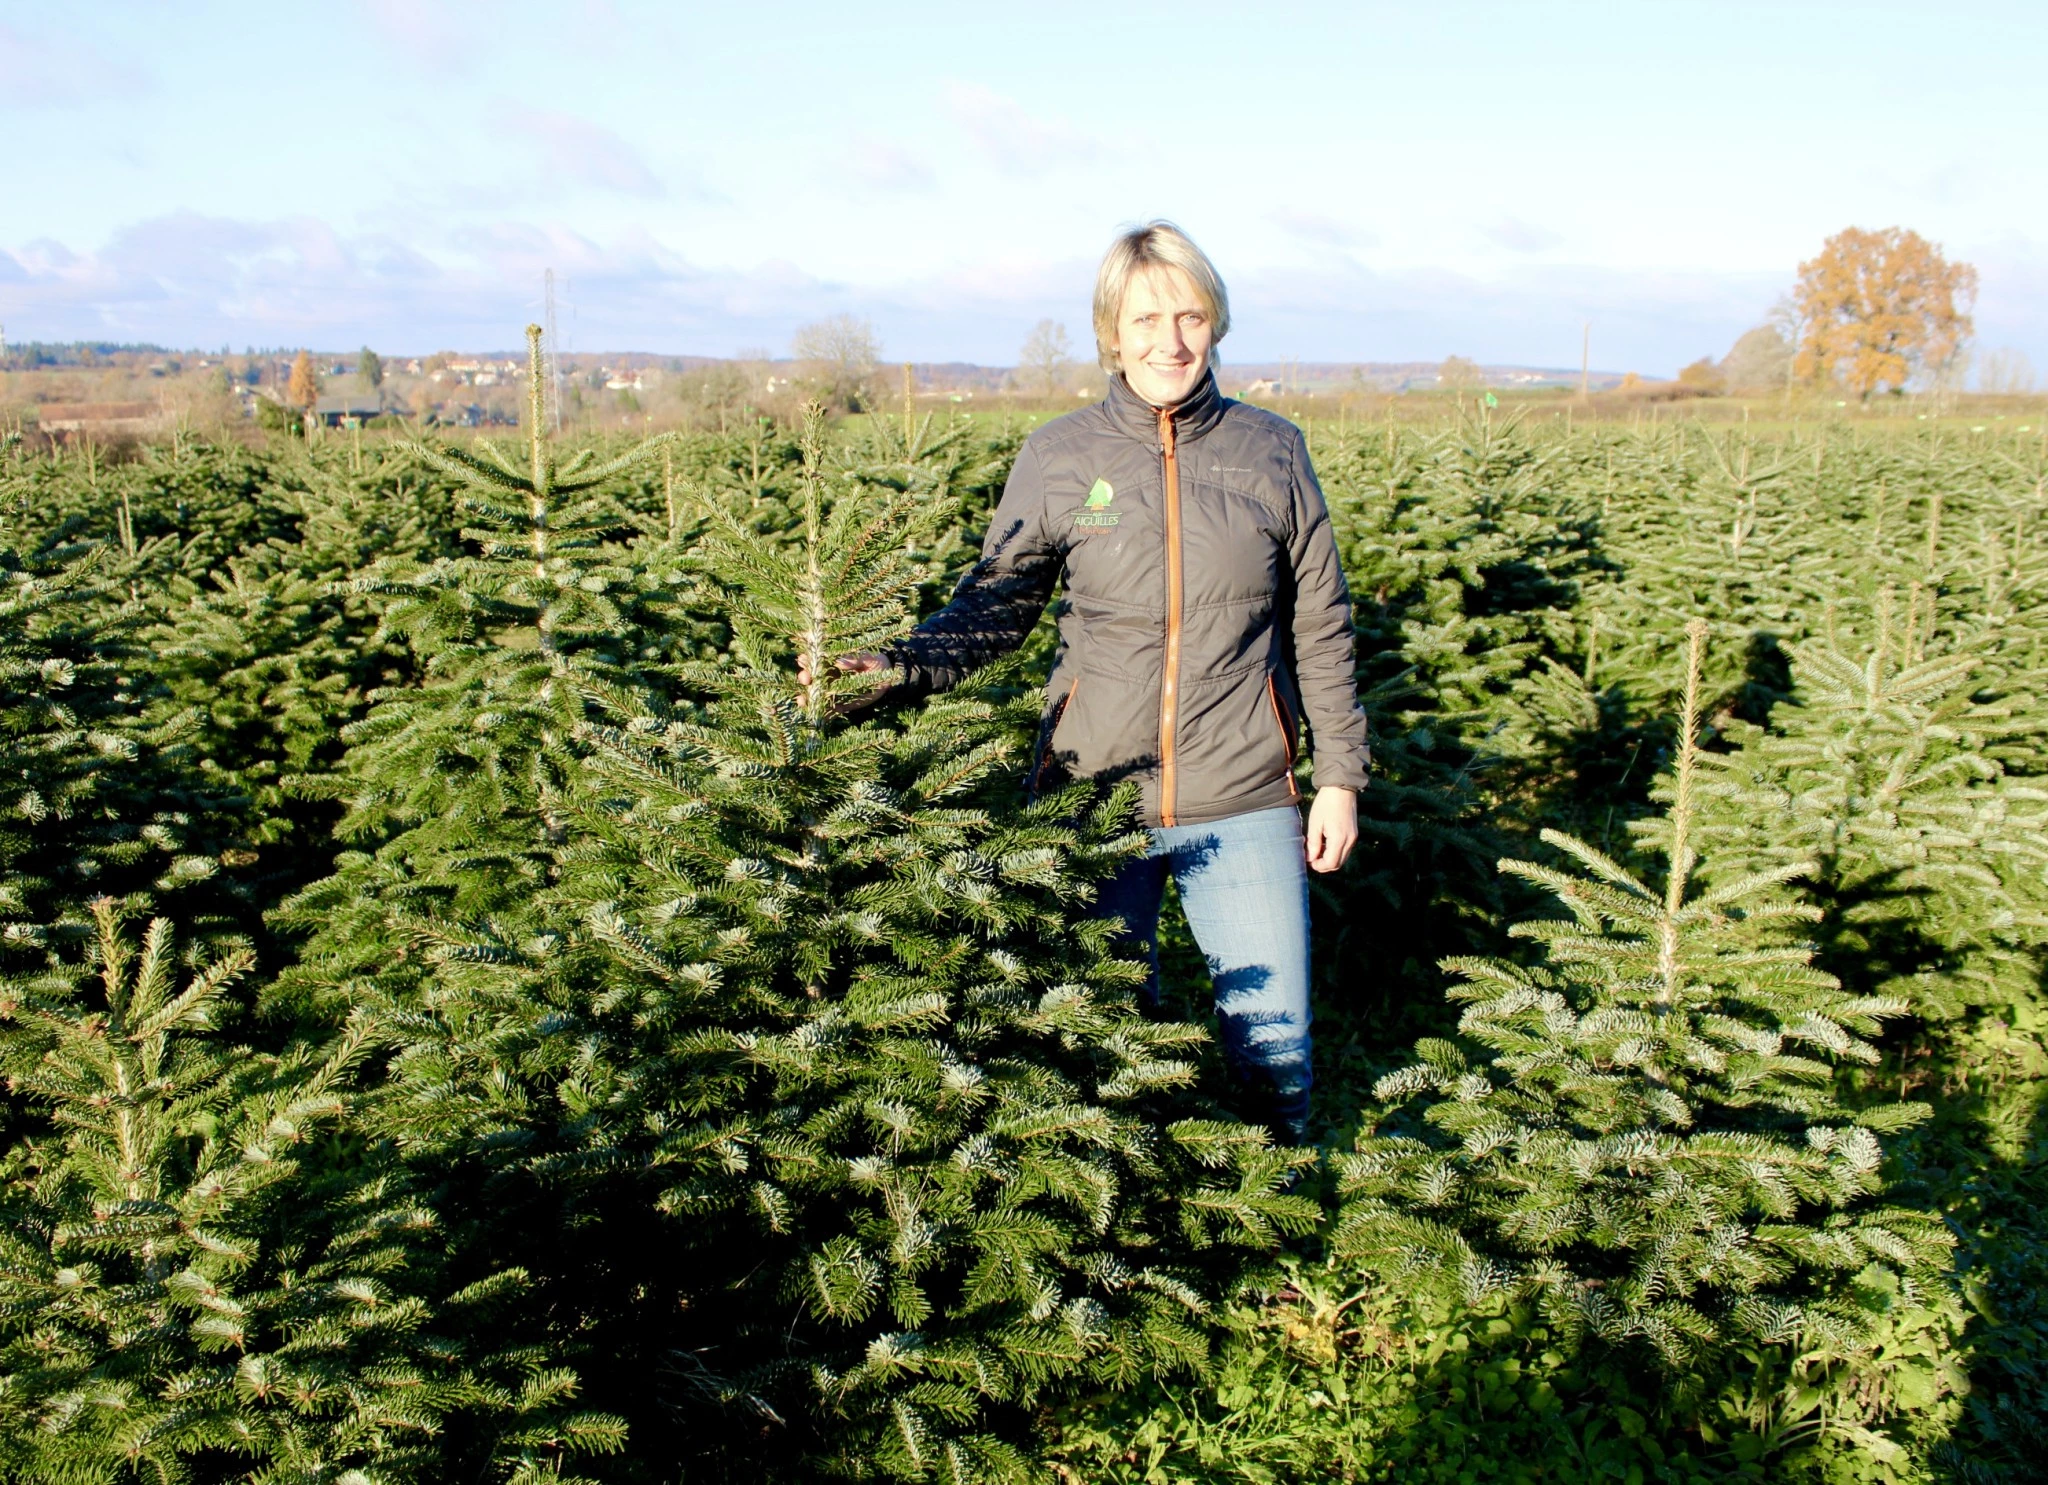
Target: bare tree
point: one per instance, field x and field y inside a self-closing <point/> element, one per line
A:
<point x="719" y="390"/>
<point x="1042" y="364"/>
<point x="1459" y="374"/>
<point x="1759" y="362"/>
<point x="2006" y="373"/>
<point x="838" y="358"/>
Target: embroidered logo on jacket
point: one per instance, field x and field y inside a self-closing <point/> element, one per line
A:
<point x="1098" y="514"/>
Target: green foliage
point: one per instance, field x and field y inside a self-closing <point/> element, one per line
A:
<point x="1652" y="1149"/>
<point x="1323" y="1380"/>
<point x="693" y="1075"/>
<point x="1888" y="774"/>
<point x="176" y="1282"/>
<point x="768" y="1011"/>
<point x="941" y="1106"/>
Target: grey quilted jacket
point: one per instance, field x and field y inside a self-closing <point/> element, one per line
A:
<point x="1205" y="618"/>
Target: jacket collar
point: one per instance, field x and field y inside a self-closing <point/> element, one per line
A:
<point x="1194" y="415"/>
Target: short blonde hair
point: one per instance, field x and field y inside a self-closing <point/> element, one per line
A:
<point x="1155" y="244"/>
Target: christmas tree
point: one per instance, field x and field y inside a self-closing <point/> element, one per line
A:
<point x="921" y="1099"/>
<point x="188" y="1274"/>
<point x="776" y="1043"/>
<point x="1889" y="772"/>
<point x="1640" y="1132"/>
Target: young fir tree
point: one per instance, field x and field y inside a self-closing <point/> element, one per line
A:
<point x="275" y="652"/>
<point x="952" y="468"/>
<point x="455" y="778"/>
<point x="1888" y="773"/>
<point x="769" y="1040"/>
<point x="190" y="1287"/>
<point x="455" y="790"/>
<point x="1729" y="529"/>
<point x="1649" y="1143"/>
<point x="57" y="746"/>
<point x="1460" y="555"/>
<point x="98" y="799"/>
<point x="909" y="1106"/>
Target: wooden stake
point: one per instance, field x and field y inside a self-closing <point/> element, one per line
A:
<point x="668" y="486"/>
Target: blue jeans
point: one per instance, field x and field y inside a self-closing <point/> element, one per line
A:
<point x="1244" y="887"/>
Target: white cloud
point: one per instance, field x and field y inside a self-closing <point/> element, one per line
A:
<point x="1518" y="236"/>
<point x="883" y="166"/>
<point x="441" y="35"/>
<point x="1326" y="231"/>
<point x="576" y="150"/>
<point x="189" y="279"/>
<point x="1528" y="314"/>
<point x="1017" y="142"/>
<point x="56" y="71"/>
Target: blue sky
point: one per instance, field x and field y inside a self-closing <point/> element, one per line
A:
<point x="1377" y="181"/>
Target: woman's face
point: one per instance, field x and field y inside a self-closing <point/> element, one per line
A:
<point x="1163" y="336"/>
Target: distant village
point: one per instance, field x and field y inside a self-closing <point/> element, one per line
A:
<point x="114" y="391"/>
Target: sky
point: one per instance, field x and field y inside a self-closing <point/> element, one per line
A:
<point x="1376" y="181"/>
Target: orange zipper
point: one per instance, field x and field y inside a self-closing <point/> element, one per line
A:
<point x="1066" y="705"/>
<point x="1169" y="683"/>
<point x="1286" y="733"/>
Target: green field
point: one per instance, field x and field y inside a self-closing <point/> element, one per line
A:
<point x="604" y="1060"/>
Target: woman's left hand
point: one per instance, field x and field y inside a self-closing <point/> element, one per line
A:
<point x="1332" y="828"/>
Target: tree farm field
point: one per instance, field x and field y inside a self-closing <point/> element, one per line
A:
<point x="470" y="1013"/>
<point x="1341" y="414"/>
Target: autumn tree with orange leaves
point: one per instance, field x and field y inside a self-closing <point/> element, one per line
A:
<point x="1875" y="308"/>
<point x="303" y="390"/>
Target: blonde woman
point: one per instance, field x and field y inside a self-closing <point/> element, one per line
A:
<point x="1205" y="622"/>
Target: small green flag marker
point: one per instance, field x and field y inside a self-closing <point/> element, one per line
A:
<point x="1491" y="400"/>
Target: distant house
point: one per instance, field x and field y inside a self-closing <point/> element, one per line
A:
<point x="101" y="419"/>
<point x="470" y="415"/>
<point x="335" y="411"/>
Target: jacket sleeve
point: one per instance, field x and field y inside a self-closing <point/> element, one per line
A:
<point x="997" y="603"/>
<point x="1326" y="672"/>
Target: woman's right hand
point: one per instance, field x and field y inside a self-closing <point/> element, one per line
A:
<point x="860" y="664"/>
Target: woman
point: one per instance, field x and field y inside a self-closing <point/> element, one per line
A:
<point x="1205" y="619"/>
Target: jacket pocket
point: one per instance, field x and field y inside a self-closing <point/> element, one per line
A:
<point x="1047" y="772"/>
<point x="1062" y="710"/>
<point x="1232" y="744"/>
<point x="1285" y="718"/>
<point x="1106" y="727"/>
